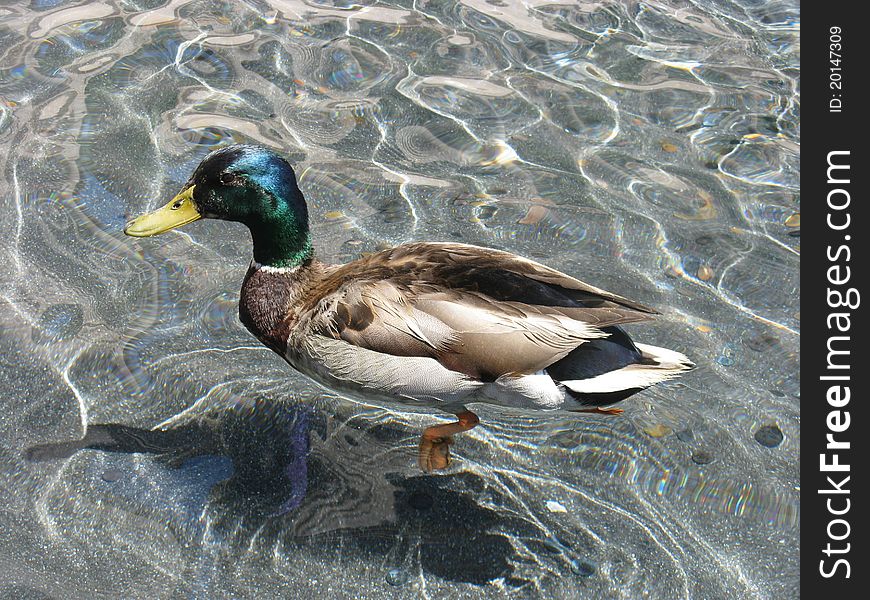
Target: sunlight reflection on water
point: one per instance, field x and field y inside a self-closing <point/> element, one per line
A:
<point x="651" y="149"/>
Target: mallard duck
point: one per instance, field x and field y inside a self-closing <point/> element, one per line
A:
<point x="436" y="324"/>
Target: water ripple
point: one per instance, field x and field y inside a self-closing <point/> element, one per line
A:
<point x="651" y="148"/>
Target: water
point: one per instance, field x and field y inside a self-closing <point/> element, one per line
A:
<point x="648" y="148"/>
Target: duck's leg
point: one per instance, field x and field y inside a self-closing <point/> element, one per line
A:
<point x="601" y="410"/>
<point x="435" y="442"/>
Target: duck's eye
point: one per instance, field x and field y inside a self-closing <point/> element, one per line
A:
<point x="227" y="178"/>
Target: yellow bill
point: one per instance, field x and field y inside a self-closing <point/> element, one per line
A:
<point x="179" y="211"/>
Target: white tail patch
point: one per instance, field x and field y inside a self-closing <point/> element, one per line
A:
<point x="664" y="364"/>
<point x="537" y="390"/>
<point x="666" y="358"/>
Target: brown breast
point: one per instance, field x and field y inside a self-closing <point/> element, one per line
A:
<point x="269" y="302"/>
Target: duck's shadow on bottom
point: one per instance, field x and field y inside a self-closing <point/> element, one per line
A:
<point x="324" y="493"/>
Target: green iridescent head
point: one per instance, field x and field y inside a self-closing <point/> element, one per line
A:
<point x="248" y="184"/>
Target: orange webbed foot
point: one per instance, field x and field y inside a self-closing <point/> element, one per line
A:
<point x="601" y="410"/>
<point x="434" y="449"/>
<point x="434" y="454"/>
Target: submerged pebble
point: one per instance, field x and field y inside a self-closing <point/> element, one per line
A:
<point x="534" y="215"/>
<point x="769" y="436"/>
<point x="397" y="577"/>
<point x="59" y="321"/>
<point x="702" y="457"/>
<point x="565" y="439"/>
<point x="555" y="545"/>
<point x="705" y="273"/>
<point x="486" y="212"/>
<point x="583" y="567"/>
<point x="657" y="431"/>
<point x="726" y="359"/>
<point x="686" y="435"/>
<point x="112" y="475"/>
<point x="761" y="342"/>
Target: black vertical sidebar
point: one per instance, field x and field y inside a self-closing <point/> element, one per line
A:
<point x="835" y="345"/>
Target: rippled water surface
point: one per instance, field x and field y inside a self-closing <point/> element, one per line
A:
<point x="650" y="148"/>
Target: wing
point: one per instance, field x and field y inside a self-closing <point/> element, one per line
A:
<point x="477" y="311"/>
<point x="507" y="276"/>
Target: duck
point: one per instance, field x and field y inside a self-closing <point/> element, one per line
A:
<point x="425" y="324"/>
